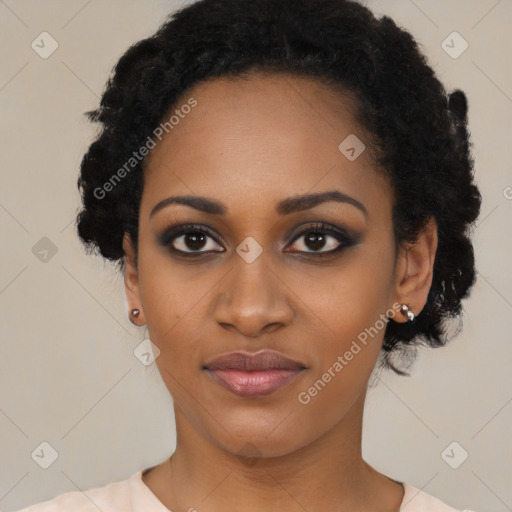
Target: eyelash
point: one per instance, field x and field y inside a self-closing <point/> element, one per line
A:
<point x="341" y="236"/>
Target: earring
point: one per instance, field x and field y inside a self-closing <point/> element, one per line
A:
<point x="134" y="313"/>
<point x="404" y="309"/>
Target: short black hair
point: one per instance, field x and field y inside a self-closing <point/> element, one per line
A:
<point x="419" y="133"/>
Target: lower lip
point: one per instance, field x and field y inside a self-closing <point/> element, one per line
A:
<point x="255" y="383"/>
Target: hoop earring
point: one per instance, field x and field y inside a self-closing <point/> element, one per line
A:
<point x="405" y="310"/>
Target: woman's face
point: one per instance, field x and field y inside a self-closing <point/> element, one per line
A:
<point x="266" y="274"/>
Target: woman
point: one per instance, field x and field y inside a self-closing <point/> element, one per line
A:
<point x="288" y="190"/>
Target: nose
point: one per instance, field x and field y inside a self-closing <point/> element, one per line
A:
<point x="252" y="300"/>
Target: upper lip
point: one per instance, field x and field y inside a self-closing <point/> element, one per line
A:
<point x="262" y="360"/>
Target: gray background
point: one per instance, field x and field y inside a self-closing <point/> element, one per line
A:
<point x="68" y="374"/>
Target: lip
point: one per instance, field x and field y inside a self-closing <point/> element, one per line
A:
<point x="257" y="374"/>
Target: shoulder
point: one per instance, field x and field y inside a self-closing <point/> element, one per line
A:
<point x="416" y="500"/>
<point x="109" y="498"/>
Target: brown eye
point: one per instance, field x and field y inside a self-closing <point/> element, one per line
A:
<point x="190" y="240"/>
<point x="315" y="240"/>
<point x="194" y="241"/>
<point x="321" y="240"/>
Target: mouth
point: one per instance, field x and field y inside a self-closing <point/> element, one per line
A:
<point x="250" y="375"/>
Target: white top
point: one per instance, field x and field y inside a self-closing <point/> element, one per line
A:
<point x="133" y="495"/>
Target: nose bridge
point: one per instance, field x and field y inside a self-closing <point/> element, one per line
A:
<point x="252" y="296"/>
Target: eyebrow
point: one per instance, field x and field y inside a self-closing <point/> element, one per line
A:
<point x="283" y="207"/>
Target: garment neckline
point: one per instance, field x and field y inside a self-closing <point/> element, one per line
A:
<point x="143" y="497"/>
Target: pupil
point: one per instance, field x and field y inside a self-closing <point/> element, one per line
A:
<point x="316" y="239"/>
<point x="192" y="239"/>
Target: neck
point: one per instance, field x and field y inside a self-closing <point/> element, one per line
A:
<point x="328" y="472"/>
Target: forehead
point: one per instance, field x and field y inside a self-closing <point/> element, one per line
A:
<point x="259" y="106"/>
<point x="262" y="136"/>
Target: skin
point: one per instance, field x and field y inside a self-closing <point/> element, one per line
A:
<point x="250" y="144"/>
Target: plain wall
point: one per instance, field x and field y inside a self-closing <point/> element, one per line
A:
<point x="68" y="375"/>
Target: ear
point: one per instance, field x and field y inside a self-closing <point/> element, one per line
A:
<point x="414" y="270"/>
<point x="131" y="281"/>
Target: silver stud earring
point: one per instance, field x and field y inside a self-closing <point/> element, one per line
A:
<point x="405" y="310"/>
<point x="134" y="313"/>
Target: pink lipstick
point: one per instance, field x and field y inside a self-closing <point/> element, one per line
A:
<point x="256" y="374"/>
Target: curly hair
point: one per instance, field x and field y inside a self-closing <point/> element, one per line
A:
<point x="419" y="134"/>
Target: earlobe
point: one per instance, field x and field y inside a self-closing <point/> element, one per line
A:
<point x="415" y="269"/>
<point x="131" y="282"/>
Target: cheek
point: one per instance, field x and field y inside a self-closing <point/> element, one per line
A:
<point x="170" y="289"/>
<point x="343" y="300"/>
<point x="349" y="309"/>
<point x="344" y="354"/>
<point x="171" y="300"/>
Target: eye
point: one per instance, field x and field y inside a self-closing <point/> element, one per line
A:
<point x="194" y="240"/>
<point x="321" y="239"/>
<point x="190" y="240"/>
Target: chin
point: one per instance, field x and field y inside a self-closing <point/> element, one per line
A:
<point x="252" y="441"/>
